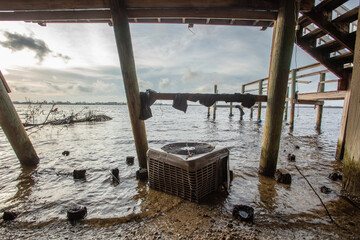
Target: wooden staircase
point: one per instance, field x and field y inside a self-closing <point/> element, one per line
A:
<point x="330" y="39"/>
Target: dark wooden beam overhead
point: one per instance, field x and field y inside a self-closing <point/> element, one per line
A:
<point x="12" y="5"/>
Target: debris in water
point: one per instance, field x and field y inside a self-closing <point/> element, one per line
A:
<point x="243" y="213"/>
<point x="282" y="176"/>
<point x="76" y="212"/>
<point x="335" y="176"/>
<point x="297" y="146"/>
<point x="115" y="175"/>
<point x="291" y="157"/>
<point x="79" y="174"/>
<point x="325" y="189"/>
<point x="8" y="216"/>
<point x="66" y="153"/>
<point x="130" y="160"/>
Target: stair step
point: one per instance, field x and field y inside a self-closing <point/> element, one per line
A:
<point x="317" y="33"/>
<point x="348" y="17"/>
<point x="342" y="59"/>
<point x="330" y="47"/>
<point x="329" y="5"/>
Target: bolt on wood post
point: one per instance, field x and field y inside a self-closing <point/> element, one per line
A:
<point x="15" y="131"/>
<point x="259" y="103"/>
<point x="278" y="81"/>
<point x="286" y="105"/>
<point x="292" y="98"/>
<point x="127" y="62"/>
<point x="320" y="107"/>
<point x="351" y="167"/>
<point x="214" y="106"/>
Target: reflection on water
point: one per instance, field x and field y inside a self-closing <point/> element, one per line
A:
<point x="42" y="195"/>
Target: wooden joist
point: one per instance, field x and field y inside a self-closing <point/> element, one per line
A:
<point x="265" y="5"/>
<point x="321" y="96"/>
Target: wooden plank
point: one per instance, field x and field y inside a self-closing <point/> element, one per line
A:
<point x="72" y="15"/>
<point x="329" y="47"/>
<point x="15" y="132"/>
<point x="328" y="5"/>
<point x="277" y="85"/>
<point x="2" y="78"/>
<point x="330" y="95"/>
<point x="96" y="4"/>
<point x="312" y="74"/>
<point x="126" y="56"/>
<point x="339" y="155"/>
<point x="347" y="17"/>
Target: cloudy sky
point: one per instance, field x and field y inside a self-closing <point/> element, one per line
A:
<point x="79" y="62"/>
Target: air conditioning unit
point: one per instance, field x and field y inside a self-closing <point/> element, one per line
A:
<point x="188" y="170"/>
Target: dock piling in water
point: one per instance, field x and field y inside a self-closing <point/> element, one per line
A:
<point x="320" y="107"/>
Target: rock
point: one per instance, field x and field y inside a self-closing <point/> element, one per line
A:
<point x="8" y="216"/>
<point x="335" y="176"/>
<point x="142" y="174"/>
<point x="243" y="213"/>
<point x="291" y="157"/>
<point x="76" y="212"/>
<point x="115" y="175"/>
<point x="230" y="225"/>
<point x="130" y="160"/>
<point x="79" y="174"/>
<point x="297" y="146"/>
<point x="282" y="176"/>
<point x="66" y="153"/>
<point x="325" y="189"/>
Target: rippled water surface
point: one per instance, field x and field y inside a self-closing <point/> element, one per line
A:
<point x="42" y="195"/>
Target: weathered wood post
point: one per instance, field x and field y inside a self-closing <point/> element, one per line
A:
<point x="292" y="98"/>
<point x="278" y="81"/>
<point x="214" y="106"/>
<point x="320" y="107"/>
<point x="208" y="114"/>
<point x="126" y="56"/>
<point x="14" y="129"/>
<point x="339" y="155"/>
<point x="259" y="103"/>
<point x="251" y="112"/>
<point x="286" y="105"/>
<point x="351" y="170"/>
<point x="243" y="92"/>
<point x="231" y="108"/>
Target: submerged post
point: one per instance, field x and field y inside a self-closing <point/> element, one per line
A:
<point x="214" y="106"/>
<point x="231" y="107"/>
<point x="292" y="98"/>
<point x="126" y="56"/>
<point x="259" y="103"/>
<point x="277" y="84"/>
<point x="351" y="170"/>
<point x="251" y="112"/>
<point x="286" y="104"/>
<point x="14" y="129"/>
<point x="320" y="107"/>
<point x="243" y="92"/>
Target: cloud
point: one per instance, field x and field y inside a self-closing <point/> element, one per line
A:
<point x="144" y="85"/>
<point x="164" y="83"/>
<point x="17" y="42"/>
<point x="85" y="89"/>
<point x="189" y="76"/>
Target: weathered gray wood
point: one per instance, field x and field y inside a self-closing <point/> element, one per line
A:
<point x="286" y="105"/>
<point x="231" y="110"/>
<point x="279" y="72"/>
<point x="320" y="107"/>
<point x="259" y="103"/>
<point x="292" y="101"/>
<point x="214" y="106"/>
<point x="14" y="130"/>
<point x="351" y="170"/>
<point x="126" y="56"/>
<point x="339" y="155"/>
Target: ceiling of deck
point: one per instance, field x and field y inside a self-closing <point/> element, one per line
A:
<point x="259" y="13"/>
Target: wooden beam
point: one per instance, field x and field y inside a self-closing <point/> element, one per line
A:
<point x="105" y="4"/>
<point x="126" y="56"/>
<point x="278" y="81"/>
<point x="105" y="15"/>
<point x="339" y="155"/>
<point x="259" y="104"/>
<point x="8" y="90"/>
<point x="320" y="107"/>
<point x="312" y="74"/>
<point x="15" y="132"/>
<point x="292" y="96"/>
<point x="330" y="95"/>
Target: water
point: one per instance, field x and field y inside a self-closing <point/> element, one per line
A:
<point x="42" y="195"/>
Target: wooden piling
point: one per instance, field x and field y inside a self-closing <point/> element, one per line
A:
<point x="351" y="169"/>
<point x="339" y="155"/>
<point x="243" y="92"/>
<point x="292" y="98"/>
<point x="259" y="103"/>
<point x="15" y="131"/>
<point x="251" y="112"/>
<point x="126" y="56"/>
<point x="286" y="105"/>
<point x="231" y="110"/>
<point x="278" y="81"/>
<point x="320" y="107"/>
<point x="214" y="106"/>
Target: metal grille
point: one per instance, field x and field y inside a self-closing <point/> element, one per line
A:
<point x="179" y="178"/>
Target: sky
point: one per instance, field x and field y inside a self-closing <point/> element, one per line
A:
<point x="79" y="62"/>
